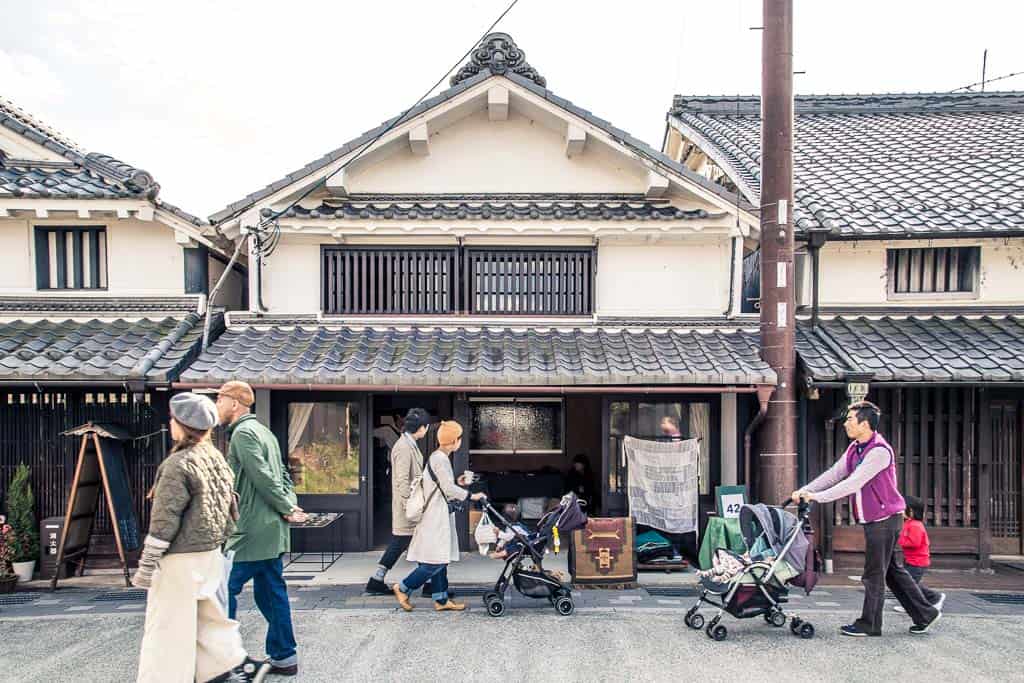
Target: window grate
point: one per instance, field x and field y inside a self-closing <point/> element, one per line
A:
<point x="71" y="258"/>
<point x="933" y="270"/>
<point x="18" y="598"/>
<point x="121" y="596"/>
<point x="1001" y="598"/>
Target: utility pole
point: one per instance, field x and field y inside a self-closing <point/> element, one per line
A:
<point x="777" y="466"/>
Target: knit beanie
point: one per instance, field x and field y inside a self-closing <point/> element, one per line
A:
<point x="449" y="432"/>
<point x="194" y="410"/>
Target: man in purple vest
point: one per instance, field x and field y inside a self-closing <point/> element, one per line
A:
<point x="867" y="474"/>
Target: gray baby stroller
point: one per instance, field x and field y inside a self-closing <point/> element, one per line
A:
<point x="777" y="557"/>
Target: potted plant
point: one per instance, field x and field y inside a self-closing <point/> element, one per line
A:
<point x="21" y="516"/>
<point x="7" y="576"/>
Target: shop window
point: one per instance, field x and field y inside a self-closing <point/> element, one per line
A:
<point x="661" y="421"/>
<point x="517" y="426"/>
<point x="944" y="271"/>
<point x="323" y="447"/>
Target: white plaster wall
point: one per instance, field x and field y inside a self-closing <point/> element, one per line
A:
<point x="517" y="155"/>
<point x="291" y="276"/>
<point x="142" y="257"/>
<point x="854" y="273"/>
<point x="17" y="273"/>
<point x="663" y="279"/>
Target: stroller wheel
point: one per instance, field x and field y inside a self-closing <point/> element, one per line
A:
<point x="794" y="625"/>
<point x="776" y="619"/>
<point x="491" y="595"/>
<point x="806" y="631"/>
<point x="496" y="607"/>
<point x="564" y="605"/>
<point x="694" y="621"/>
<point x="717" y="632"/>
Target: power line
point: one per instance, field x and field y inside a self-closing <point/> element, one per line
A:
<point x="266" y="243"/>
<point x="987" y="81"/>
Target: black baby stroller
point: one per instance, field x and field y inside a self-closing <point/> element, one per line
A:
<point x="777" y="557"/>
<point x="524" y="566"/>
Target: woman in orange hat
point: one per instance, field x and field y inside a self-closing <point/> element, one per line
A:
<point x="434" y="542"/>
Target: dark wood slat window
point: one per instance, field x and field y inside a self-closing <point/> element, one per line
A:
<point x="933" y="270"/>
<point x="529" y="281"/>
<point x="71" y="257"/>
<point x="373" y="280"/>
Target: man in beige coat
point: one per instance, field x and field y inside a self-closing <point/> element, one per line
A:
<point x="406" y="465"/>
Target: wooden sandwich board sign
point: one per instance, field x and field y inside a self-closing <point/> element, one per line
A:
<point x="100" y="464"/>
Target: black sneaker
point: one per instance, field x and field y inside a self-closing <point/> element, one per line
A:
<point x="377" y="587"/>
<point x="940" y="603"/>
<point x="918" y="629"/>
<point x="853" y="630"/>
<point x="282" y="670"/>
<point x="249" y="671"/>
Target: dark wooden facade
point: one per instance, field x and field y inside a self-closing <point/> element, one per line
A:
<point x="31" y="424"/>
<point x="959" y="448"/>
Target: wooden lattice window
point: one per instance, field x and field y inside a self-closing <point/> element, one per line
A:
<point x="71" y="258"/>
<point x="944" y="271"/>
<point x="375" y="280"/>
<point x="529" y="281"/>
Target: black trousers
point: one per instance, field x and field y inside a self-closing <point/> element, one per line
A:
<point x="917" y="573"/>
<point x="397" y="546"/>
<point x="882" y="567"/>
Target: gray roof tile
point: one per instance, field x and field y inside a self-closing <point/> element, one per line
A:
<point x="472" y="356"/>
<point x="915" y="349"/>
<point x="146" y="350"/>
<point x="101" y="305"/>
<point x="881" y="165"/>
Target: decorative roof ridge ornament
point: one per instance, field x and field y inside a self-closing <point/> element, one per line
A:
<point x="498" y="53"/>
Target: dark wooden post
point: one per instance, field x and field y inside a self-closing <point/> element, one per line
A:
<point x="984" y="479"/>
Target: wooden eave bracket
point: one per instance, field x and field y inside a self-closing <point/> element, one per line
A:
<point x="575" y="141"/>
<point x="419" y="140"/>
<point x="497" y="103"/>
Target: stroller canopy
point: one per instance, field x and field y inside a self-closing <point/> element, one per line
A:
<point x="776" y="525"/>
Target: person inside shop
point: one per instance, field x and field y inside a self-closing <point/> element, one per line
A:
<point x="580" y="480"/>
<point x="867" y="474"/>
<point x="670" y="427"/>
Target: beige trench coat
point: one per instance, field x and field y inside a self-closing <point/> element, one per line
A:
<point x="406" y="465"/>
<point x="435" y="540"/>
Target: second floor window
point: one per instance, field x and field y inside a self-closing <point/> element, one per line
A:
<point x="933" y="270"/>
<point x="71" y="257"/>
<point x="444" y="280"/>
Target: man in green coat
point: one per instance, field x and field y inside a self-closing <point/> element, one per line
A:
<point x="266" y="504"/>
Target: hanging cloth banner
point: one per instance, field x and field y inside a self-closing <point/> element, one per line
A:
<point x="663" y="483"/>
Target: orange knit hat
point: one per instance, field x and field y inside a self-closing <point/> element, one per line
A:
<point x="449" y="432"/>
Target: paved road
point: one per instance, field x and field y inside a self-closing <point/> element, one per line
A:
<point x="596" y="644"/>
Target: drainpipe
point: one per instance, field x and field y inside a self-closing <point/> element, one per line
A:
<point x="816" y="240"/>
<point x="764" y="392"/>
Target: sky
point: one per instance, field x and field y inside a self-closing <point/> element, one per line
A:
<point x="218" y="98"/>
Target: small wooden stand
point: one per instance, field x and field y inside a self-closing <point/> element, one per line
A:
<point x="100" y="463"/>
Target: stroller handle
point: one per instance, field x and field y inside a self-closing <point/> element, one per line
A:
<point x="803" y="507"/>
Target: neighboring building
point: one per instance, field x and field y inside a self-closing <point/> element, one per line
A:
<point x="913" y="207"/>
<point x="506" y="258"/>
<point x="102" y="298"/>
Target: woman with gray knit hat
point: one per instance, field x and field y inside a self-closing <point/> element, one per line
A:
<point x="188" y="636"/>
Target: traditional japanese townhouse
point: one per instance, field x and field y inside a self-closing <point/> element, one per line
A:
<point x="102" y="296"/>
<point x="506" y="258"/>
<point x="911" y="213"/>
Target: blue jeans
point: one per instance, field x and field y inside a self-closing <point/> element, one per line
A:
<point x="437" y="574"/>
<point x="271" y="595"/>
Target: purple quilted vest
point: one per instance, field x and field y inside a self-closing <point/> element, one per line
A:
<point x="880" y="497"/>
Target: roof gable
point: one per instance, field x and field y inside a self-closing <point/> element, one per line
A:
<point x="497" y="62"/>
<point x="880" y="165"/>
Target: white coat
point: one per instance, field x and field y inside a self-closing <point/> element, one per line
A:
<point x="435" y="540"/>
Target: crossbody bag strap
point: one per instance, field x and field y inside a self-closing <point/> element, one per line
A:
<point x="436" y="482"/>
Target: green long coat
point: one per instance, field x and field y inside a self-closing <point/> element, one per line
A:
<point x="265" y="492"/>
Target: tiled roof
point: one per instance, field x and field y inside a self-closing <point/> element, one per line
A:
<point x="524" y="208"/>
<point x="481" y="72"/>
<point x="82" y="176"/>
<point x="105" y="305"/>
<point x="881" y="165"/>
<point x="146" y="350"/>
<point x="915" y="349"/>
<point x="479" y="357"/>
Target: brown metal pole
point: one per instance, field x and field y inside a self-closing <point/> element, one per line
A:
<point x="777" y="466"/>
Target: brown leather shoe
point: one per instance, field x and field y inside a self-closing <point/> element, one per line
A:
<point x="450" y="605"/>
<point x="402" y="598"/>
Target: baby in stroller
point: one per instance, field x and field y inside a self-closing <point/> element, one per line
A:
<point x="523" y="553"/>
<point x="505" y="539"/>
<point x="757" y="582"/>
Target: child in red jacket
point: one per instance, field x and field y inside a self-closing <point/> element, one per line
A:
<point x="916" y="550"/>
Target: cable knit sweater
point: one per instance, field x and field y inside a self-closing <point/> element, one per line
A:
<point x="193" y="499"/>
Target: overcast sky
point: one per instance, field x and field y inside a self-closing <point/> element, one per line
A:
<point x="217" y="99"/>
